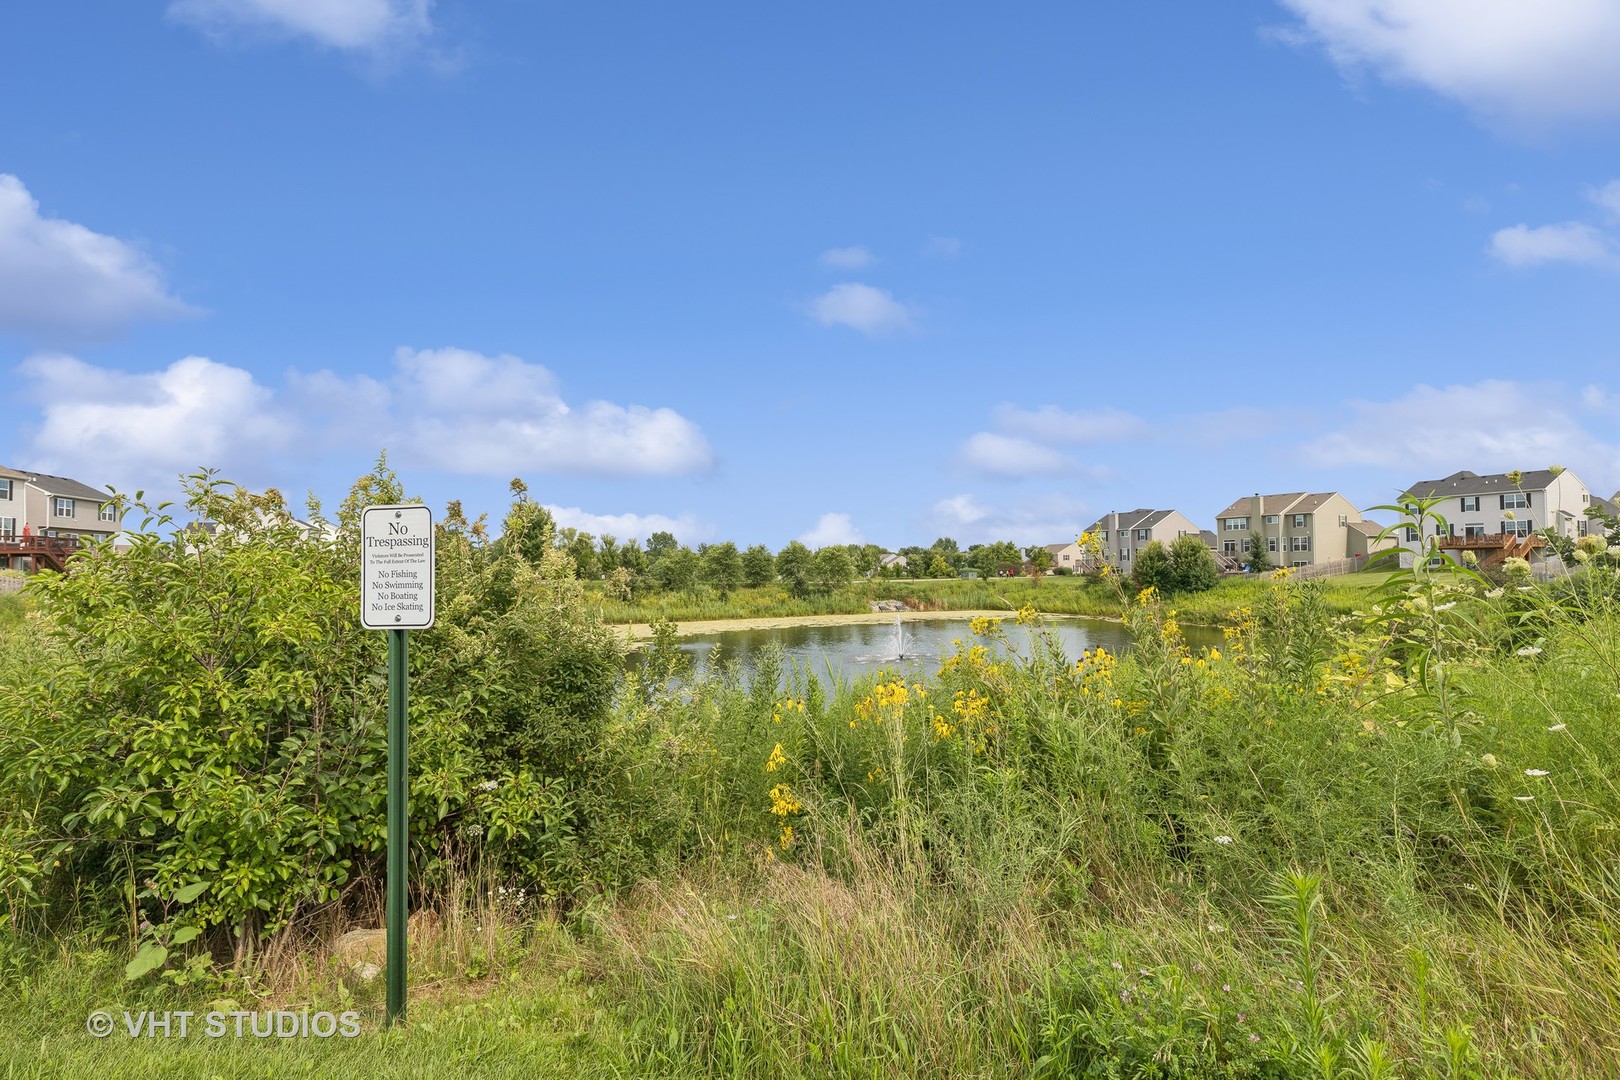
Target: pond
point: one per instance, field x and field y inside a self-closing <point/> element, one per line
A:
<point x="851" y="650"/>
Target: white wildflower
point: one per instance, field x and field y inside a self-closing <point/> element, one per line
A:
<point x="1494" y="594"/>
<point x="1535" y="772"/>
<point x="1524" y="798"/>
<point x="1446" y="606"/>
<point x="1558" y="727"/>
<point x="1223" y="839"/>
<point x="489" y="785"/>
<point x="1529" y="650"/>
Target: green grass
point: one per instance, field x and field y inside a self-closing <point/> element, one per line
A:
<point x="1052" y="596"/>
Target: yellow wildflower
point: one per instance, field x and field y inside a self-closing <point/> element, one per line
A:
<point x="776" y="760"/>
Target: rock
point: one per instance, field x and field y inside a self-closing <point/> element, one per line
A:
<point x="365" y="951"/>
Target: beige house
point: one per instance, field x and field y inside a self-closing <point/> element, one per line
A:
<point x="1298" y="528"/>
<point x="1483" y="511"/>
<point x="1123" y="534"/>
<point x="44" y="518"/>
<point x="1065" y="556"/>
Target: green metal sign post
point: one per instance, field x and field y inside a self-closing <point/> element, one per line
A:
<point x="396" y="595"/>
<point x="398" y="822"/>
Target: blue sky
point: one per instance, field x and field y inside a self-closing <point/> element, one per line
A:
<point x="834" y="272"/>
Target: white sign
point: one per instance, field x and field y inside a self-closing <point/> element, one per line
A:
<point x="396" y="567"/>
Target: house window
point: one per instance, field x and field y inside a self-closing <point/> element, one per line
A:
<point x="1473" y="531"/>
<point x="1411" y="535"/>
<point x="1517" y="528"/>
<point x="1271" y="519"/>
<point x="1580" y="527"/>
<point x="1470" y="504"/>
<point x="1516" y="500"/>
<point x="1297" y="563"/>
<point x="5" y="490"/>
<point x="64" y="508"/>
<point x="1237" y="524"/>
<point x="1271" y="543"/>
<point x="1447" y="529"/>
<point x="1247" y="540"/>
<point x="108" y="513"/>
<point x="1299" y="543"/>
<point x="8" y="526"/>
<point x="1299" y="520"/>
<point x="1344" y="519"/>
<point x="1229" y="547"/>
<point x="1144" y="534"/>
<point x="1103" y="535"/>
<point x="1125" y="555"/>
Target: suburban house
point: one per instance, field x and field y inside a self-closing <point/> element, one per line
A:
<point x="44" y="519"/>
<point x="889" y="560"/>
<point x="1298" y="528"/>
<point x="1123" y="534"/>
<point x="1065" y="556"/>
<point x="1498" y="511"/>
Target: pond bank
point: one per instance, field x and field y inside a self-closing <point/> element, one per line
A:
<point x="643" y="631"/>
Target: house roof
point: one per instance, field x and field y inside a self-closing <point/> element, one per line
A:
<point x="1140" y="518"/>
<point x="68" y="489"/>
<point x="12" y="474"/>
<point x="1464" y="482"/>
<point x="1270" y="504"/>
<point x="1208" y="537"/>
<point x="1367" y="528"/>
<point x="1055" y="548"/>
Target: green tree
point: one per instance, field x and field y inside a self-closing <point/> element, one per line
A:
<point x="987" y="558"/>
<point x="759" y="566"/>
<point x="1256" y="555"/>
<point x="528" y="531"/>
<point x="832" y="569"/>
<point x="722" y="568"/>
<point x="1039" y="561"/>
<point x="677" y="571"/>
<point x="1192" y="566"/>
<point x="939" y="568"/>
<point x="660" y="544"/>
<point x="1153" y="568"/>
<point x="793" y="567"/>
<point x="632" y="557"/>
<point x="581" y="547"/>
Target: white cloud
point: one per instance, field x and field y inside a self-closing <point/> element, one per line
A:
<point x="61" y="282"/>
<point x="1054" y="425"/>
<point x="1490" y="426"/>
<point x="685" y="528"/>
<point x="355" y="25"/>
<point x="1040" y="519"/>
<point x="443" y="409"/>
<point x="141" y="431"/>
<point x="847" y="258"/>
<point x="1007" y="455"/>
<point x="832" y="529"/>
<point x="870" y="310"/>
<point x="1573" y="241"/>
<point x="942" y="247"/>
<point x="1607" y="197"/>
<point x="1511" y="59"/>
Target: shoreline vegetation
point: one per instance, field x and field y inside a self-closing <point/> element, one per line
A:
<point x="770" y="607"/>
<point x="1369" y="846"/>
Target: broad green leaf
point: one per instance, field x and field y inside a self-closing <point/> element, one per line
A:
<point x="184" y="934"/>
<point x="148" y="959"/>
<point x="191" y="892"/>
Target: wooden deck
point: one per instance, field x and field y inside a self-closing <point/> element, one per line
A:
<point x="1495" y="548"/>
<point x="44" y="552"/>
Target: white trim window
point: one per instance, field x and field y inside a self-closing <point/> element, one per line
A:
<point x="5" y="489"/>
<point x="1517" y="528"/>
<point x="108" y="512"/>
<point x="1473" y="532"/>
<point x="1229" y="547"/>
<point x="1299" y="520"/>
<point x="1470" y="504"/>
<point x="8" y="526"/>
<point x="1144" y="534"/>
<point x="64" y="507"/>
<point x="1271" y="543"/>
<point x="1270" y="519"/>
<point x="1411" y="535"/>
<point x="1237" y="524"/>
<point x="1299" y="543"/>
<point x="1516" y="500"/>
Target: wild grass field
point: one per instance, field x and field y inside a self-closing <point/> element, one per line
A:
<point x="1052" y="595"/>
<point x="1372" y="845"/>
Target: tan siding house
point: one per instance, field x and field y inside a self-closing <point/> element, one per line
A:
<point x="1123" y="534"/>
<point x="1298" y="528"/>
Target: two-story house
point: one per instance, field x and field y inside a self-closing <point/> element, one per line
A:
<point x="1298" y="528"/>
<point x="1487" y="510"/>
<point x="43" y="518"/>
<point x="1124" y="533"/>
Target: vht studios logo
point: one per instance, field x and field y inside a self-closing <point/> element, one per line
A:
<point x="239" y="1024"/>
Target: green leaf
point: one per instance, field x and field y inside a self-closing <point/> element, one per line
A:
<point x="184" y="934"/>
<point x="191" y="892"/>
<point x="148" y="959"/>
